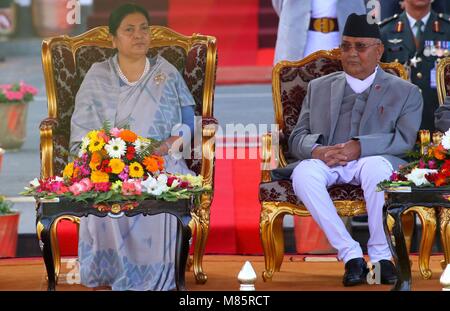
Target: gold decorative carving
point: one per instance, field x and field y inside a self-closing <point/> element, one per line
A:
<point x="55" y="244"/>
<point x="441" y="87"/>
<point x="427" y="216"/>
<point x="444" y="229"/>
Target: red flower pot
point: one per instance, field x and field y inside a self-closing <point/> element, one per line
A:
<point x="9" y="224"/>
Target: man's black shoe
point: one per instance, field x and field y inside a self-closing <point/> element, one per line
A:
<point x="355" y="272"/>
<point x="388" y="272"/>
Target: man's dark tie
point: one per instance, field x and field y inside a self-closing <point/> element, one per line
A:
<point x="419" y="32"/>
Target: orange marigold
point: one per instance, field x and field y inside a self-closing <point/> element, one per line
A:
<point x="440" y="152"/>
<point x="160" y="161"/>
<point x="151" y="164"/>
<point x="128" y="136"/>
<point x="96" y="159"/>
<point x="99" y="176"/>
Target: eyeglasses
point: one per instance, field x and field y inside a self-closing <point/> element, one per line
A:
<point x="359" y="46"/>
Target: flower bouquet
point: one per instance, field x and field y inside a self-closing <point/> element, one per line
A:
<point x="430" y="166"/>
<point x="115" y="165"/>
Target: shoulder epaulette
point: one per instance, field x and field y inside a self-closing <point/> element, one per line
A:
<point x="387" y="20"/>
<point x="444" y="17"/>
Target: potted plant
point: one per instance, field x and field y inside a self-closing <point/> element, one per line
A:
<point x="9" y="223"/>
<point x="14" y="99"/>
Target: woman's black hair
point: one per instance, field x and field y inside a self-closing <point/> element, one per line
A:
<point x="121" y="12"/>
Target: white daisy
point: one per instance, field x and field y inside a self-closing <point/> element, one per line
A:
<point x="140" y="145"/>
<point x="116" y="148"/>
<point x="446" y="140"/>
<point x="85" y="143"/>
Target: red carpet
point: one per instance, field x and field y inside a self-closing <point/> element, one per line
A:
<point x="234" y="222"/>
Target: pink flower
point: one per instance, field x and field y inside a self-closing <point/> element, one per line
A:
<point x="83" y="185"/>
<point x="124" y="174"/>
<point x="432" y="164"/>
<point x="131" y="187"/>
<point x="102" y="186"/>
<point x="115" y="132"/>
<point x="24" y="88"/>
<point x="76" y="188"/>
<point x="422" y="164"/>
<point x="12" y="95"/>
<point x="87" y="184"/>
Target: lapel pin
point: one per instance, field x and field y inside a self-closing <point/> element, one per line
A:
<point x="377" y="87"/>
<point x="399" y="26"/>
<point x="381" y="110"/>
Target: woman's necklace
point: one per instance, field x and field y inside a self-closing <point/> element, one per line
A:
<point x="124" y="78"/>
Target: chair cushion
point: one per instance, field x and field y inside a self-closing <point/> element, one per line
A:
<point x="282" y="191"/>
<point x="294" y="84"/>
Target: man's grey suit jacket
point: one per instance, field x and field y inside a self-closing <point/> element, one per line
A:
<point x="388" y="126"/>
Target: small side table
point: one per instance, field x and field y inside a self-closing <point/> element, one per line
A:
<point x="47" y="211"/>
<point x="396" y="204"/>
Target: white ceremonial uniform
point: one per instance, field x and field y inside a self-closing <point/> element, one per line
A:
<point x="316" y="40"/>
<point x="294" y="40"/>
<point x="312" y="177"/>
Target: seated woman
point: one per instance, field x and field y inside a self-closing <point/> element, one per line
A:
<point x="149" y="95"/>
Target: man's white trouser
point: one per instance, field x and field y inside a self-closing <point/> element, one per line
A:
<point x="310" y="180"/>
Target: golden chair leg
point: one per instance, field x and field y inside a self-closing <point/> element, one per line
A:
<point x="444" y="226"/>
<point x="55" y="244"/>
<point x="278" y="240"/>
<point x="408" y="229"/>
<point x="427" y="216"/>
<point x="267" y="240"/>
<point x="201" y="218"/>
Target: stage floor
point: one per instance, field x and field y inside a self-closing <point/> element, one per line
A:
<point x="28" y="274"/>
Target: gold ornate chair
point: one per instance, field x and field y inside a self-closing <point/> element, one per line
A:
<point x="443" y="86"/>
<point x="65" y="63"/>
<point x="289" y="84"/>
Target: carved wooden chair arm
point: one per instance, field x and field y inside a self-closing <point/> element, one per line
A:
<point x="46" y="128"/>
<point x="209" y="127"/>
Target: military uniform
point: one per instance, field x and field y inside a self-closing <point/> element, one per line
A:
<point x="400" y="46"/>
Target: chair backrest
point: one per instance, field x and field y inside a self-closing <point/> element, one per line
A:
<point x="443" y="79"/>
<point x="67" y="59"/>
<point x="290" y="83"/>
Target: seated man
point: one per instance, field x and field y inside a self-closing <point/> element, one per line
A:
<point x="354" y="127"/>
<point x="442" y="116"/>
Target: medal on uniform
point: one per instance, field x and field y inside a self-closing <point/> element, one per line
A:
<point x="433" y="48"/>
<point x="427" y="49"/>
<point x="433" y="76"/>
<point x="439" y="49"/>
<point x="446" y="48"/>
<point x="399" y="26"/>
<point x="415" y="60"/>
